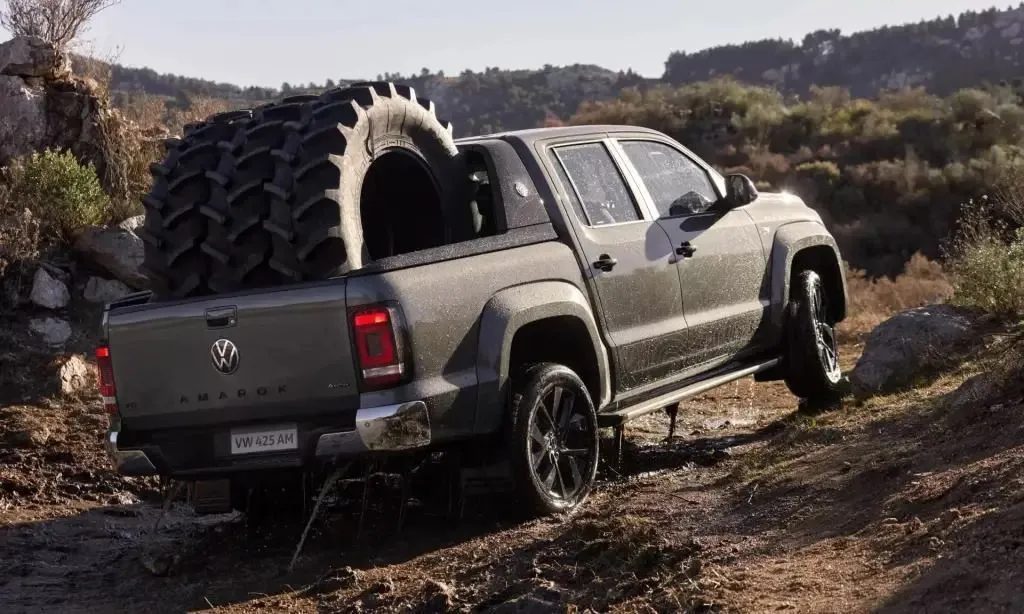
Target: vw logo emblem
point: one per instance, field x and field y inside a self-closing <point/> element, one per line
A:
<point x="225" y="356"/>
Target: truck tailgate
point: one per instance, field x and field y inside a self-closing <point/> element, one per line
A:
<point x="241" y="358"/>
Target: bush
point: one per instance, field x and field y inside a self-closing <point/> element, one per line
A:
<point x="61" y="193"/>
<point x="986" y="255"/>
<point x="19" y="235"/>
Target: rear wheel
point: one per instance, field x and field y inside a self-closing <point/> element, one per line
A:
<point x="553" y="439"/>
<point x="812" y="353"/>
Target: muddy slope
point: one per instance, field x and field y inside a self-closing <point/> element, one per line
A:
<point x="903" y="503"/>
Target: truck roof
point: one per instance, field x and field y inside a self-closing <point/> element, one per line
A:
<point x="534" y="134"/>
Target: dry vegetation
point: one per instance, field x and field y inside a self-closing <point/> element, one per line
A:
<point x="55" y="21"/>
<point x="871" y="301"/>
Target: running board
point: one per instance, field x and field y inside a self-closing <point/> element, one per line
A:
<point x="622" y="416"/>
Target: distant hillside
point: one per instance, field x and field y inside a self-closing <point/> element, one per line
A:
<point x="475" y="102"/>
<point x="943" y="55"/>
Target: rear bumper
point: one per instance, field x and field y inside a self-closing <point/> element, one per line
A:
<point x="378" y="430"/>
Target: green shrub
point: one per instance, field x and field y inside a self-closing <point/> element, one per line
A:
<point x="62" y="194"/>
<point x="986" y="260"/>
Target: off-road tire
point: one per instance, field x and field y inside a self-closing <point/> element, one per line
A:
<point x="174" y="229"/>
<point x="529" y="445"/>
<point x="271" y="196"/>
<point x="237" y="244"/>
<point x="812" y="356"/>
<point x="315" y="219"/>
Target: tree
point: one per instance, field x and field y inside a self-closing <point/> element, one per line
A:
<point x="57" y="22"/>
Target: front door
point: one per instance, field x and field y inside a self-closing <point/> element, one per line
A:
<point x="630" y="263"/>
<point x="720" y="261"/>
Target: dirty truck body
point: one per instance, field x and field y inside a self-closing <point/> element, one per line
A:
<point x="591" y="267"/>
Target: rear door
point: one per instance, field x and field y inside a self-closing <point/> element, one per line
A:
<point x="264" y="355"/>
<point x="721" y="263"/>
<point x="629" y="260"/>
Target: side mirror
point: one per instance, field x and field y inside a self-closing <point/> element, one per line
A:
<point x="739" y="190"/>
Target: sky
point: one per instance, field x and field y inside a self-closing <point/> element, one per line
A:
<point x="267" y="42"/>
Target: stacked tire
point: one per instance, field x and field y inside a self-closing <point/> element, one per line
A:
<point x="275" y="195"/>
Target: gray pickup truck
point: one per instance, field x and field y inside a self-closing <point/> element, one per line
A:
<point x="613" y="274"/>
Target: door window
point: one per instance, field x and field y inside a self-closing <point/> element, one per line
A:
<point x="596" y="186"/>
<point x="677" y="185"/>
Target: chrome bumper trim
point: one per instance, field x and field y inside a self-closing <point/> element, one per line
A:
<point x="128" y="462"/>
<point x="390" y="428"/>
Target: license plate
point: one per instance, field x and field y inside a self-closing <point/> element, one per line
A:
<point x="251" y="441"/>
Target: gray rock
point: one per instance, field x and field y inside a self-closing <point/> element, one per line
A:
<point x="52" y="330"/>
<point x="48" y="291"/>
<point x="23" y="118"/>
<point x="118" y="250"/>
<point x="907" y="345"/>
<point x="75" y="376"/>
<point x="103" y="291"/>
<point x="56" y="271"/>
<point x="28" y="56"/>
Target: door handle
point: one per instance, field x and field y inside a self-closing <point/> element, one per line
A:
<point x="605" y="263"/>
<point x="686" y="249"/>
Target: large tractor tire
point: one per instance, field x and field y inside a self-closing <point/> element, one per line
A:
<point x="305" y="189"/>
<point x="236" y="242"/>
<point x="368" y="172"/>
<point x="174" y="229"/>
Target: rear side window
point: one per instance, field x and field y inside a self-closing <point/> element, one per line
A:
<point x="678" y="186"/>
<point x="596" y="184"/>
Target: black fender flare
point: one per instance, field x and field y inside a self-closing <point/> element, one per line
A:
<point x="789" y="241"/>
<point x="507" y="312"/>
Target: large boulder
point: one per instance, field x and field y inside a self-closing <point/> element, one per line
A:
<point x="28" y="56"/>
<point x="55" y="332"/>
<point x="907" y="345"/>
<point x="117" y="249"/>
<point x="48" y="291"/>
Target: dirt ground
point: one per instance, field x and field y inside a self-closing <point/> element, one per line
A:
<point x="905" y="503"/>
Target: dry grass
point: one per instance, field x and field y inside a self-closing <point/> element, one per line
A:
<point x="872" y="301"/>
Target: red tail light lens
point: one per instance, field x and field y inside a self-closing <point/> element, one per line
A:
<point x="106" y="379"/>
<point x="380" y="358"/>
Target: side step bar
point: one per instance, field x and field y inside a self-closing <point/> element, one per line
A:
<point x="622" y="416"/>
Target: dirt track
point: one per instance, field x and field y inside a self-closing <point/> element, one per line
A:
<point x="904" y="503"/>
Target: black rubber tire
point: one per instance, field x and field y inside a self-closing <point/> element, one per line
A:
<point x="315" y="216"/>
<point x="531" y="389"/>
<point x="174" y="229"/>
<point x="236" y="242"/>
<point x="812" y="371"/>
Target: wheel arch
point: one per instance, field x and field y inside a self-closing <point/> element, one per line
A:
<point x="517" y="320"/>
<point x="801" y="246"/>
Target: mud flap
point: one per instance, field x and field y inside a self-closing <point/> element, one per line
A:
<point x="211" y="496"/>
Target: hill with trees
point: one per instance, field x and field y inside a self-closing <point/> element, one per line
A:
<point x="943" y="55"/>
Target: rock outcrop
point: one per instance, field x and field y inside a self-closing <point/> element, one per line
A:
<point x="42" y="106"/>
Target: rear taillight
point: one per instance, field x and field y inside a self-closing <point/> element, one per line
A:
<point x="106" y="379"/>
<point x="380" y="360"/>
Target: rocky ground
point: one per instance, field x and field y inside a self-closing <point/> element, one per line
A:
<point x="912" y="501"/>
